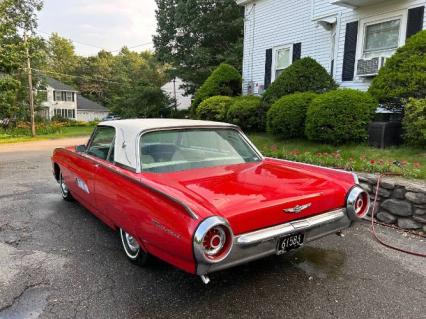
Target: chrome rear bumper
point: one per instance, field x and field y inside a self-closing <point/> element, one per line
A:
<point x="262" y="243"/>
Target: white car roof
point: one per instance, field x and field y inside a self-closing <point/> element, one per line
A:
<point x="127" y="134"/>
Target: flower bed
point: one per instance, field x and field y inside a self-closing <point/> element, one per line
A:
<point x="407" y="161"/>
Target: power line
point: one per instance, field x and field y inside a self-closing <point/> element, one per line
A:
<point x="98" y="47"/>
<point x="89" y="45"/>
<point x="45" y="72"/>
<point x="133" y="47"/>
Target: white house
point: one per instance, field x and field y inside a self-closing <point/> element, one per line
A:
<point x="174" y="91"/>
<point x="65" y="101"/>
<point x="349" y="38"/>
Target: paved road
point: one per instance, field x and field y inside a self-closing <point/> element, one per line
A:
<point x="58" y="261"/>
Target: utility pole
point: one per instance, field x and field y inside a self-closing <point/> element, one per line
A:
<point x="174" y="92"/>
<point x="30" y="87"/>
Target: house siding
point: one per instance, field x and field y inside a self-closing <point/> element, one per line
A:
<point x="272" y="23"/>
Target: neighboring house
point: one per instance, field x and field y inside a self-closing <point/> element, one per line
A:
<point x="63" y="100"/>
<point x="349" y="38"/>
<point x="174" y="91"/>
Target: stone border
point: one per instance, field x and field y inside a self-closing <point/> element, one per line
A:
<point x="400" y="202"/>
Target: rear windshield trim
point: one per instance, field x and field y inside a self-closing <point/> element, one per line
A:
<point x="201" y="127"/>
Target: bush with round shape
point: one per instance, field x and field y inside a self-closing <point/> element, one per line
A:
<point x="247" y="113"/>
<point x="286" y="117"/>
<point x="414" y="122"/>
<point x="304" y="75"/>
<point x="214" y="108"/>
<point x="340" y="116"/>
<point x="224" y="80"/>
<point x="403" y="76"/>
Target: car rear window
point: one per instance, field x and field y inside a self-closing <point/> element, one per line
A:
<point x="176" y="150"/>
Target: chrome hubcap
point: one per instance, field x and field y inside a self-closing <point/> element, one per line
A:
<point x="132" y="243"/>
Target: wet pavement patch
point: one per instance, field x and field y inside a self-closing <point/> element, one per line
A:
<point x="319" y="262"/>
<point x="28" y="306"/>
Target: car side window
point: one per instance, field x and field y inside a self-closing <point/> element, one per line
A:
<point x="102" y="145"/>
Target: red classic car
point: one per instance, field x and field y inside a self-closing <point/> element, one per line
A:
<point x="200" y="196"/>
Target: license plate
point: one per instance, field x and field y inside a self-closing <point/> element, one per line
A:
<point x="289" y="242"/>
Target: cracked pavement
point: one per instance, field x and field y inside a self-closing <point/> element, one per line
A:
<point x="59" y="261"/>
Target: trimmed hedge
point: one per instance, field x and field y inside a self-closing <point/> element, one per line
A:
<point x="224" y="80"/>
<point x="304" y="75"/>
<point x="214" y="108"/>
<point x="340" y="116"/>
<point x="404" y="74"/>
<point x="414" y="122"/>
<point x="286" y="117"/>
<point x="247" y="113"/>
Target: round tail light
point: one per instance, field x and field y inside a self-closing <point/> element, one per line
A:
<point x="357" y="204"/>
<point x="213" y="240"/>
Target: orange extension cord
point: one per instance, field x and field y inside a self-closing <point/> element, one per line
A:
<point x="373" y="229"/>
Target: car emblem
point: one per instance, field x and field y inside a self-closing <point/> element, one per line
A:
<point x="297" y="209"/>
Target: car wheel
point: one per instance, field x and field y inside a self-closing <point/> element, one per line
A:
<point x="64" y="189"/>
<point x="132" y="249"/>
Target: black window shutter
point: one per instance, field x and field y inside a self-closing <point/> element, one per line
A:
<point x="415" y="21"/>
<point x="297" y="51"/>
<point x="350" y="51"/>
<point x="268" y="68"/>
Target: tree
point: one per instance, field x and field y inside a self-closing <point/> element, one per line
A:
<point x="404" y="74"/>
<point x="18" y="46"/>
<point x="9" y="89"/>
<point x="224" y="80"/>
<point x="143" y="101"/>
<point x="17" y="17"/>
<point x="195" y="36"/>
<point x="61" y="58"/>
<point x="304" y="75"/>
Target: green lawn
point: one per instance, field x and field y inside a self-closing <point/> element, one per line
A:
<point x="356" y="157"/>
<point x="64" y="132"/>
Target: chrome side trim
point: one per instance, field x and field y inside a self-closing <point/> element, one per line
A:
<point x="323" y="167"/>
<point x="288" y="228"/>
<point x="187" y="209"/>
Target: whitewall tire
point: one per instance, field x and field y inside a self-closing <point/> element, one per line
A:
<point x="132" y="249"/>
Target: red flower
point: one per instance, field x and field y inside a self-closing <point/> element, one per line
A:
<point x="372" y="162"/>
<point x="381" y="162"/>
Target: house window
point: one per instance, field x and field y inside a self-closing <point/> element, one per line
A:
<point x="283" y="58"/>
<point x="63" y="96"/>
<point x="382" y="36"/>
<point x="70" y="96"/>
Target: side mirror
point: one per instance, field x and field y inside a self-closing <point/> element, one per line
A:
<point x="80" y="148"/>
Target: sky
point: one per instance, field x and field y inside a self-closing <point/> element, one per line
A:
<point x="107" y="24"/>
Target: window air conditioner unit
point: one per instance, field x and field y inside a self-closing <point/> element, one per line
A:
<point x="371" y="67"/>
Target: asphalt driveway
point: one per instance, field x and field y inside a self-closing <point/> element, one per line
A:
<point x="58" y="261"/>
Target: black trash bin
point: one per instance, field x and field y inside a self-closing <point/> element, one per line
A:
<point x="386" y="130"/>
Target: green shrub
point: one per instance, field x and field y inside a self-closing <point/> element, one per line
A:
<point x="415" y="122"/>
<point x="214" y="108"/>
<point x="404" y="74"/>
<point x="286" y="117"/>
<point x="304" y="75"/>
<point x="224" y="80"/>
<point x="247" y="113"/>
<point x="340" y="116"/>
